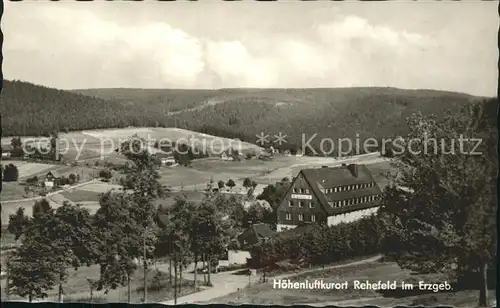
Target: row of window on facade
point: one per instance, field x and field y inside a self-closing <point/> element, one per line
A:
<point x="302" y="204"/>
<point x="312" y="217"/>
<point x="354" y="201"/>
<point x="347" y="188"/>
<point x="300" y="190"/>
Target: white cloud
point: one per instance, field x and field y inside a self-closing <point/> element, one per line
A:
<point x="354" y="27"/>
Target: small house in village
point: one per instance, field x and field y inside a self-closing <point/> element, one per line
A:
<point x="52" y="179"/>
<point x="231" y="154"/>
<point x="256" y="233"/>
<point x="165" y="158"/>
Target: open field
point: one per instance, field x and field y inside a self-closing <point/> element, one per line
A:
<point x="98" y="187"/>
<point x="265" y="294"/>
<point x="15" y="190"/>
<point x="29" y="169"/>
<point x="76" y="196"/>
<point x="77" y="288"/>
<point x="92" y="144"/>
<point x="11" y="208"/>
<point x="193" y="196"/>
<point x="12" y="191"/>
<point x="263" y="172"/>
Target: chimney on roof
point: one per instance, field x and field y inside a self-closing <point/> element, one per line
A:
<point x="354" y="169"/>
<point x="324" y="166"/>
<point x="343" y="165"/>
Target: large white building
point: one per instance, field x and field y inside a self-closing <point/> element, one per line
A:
<point x="330" y="196"/>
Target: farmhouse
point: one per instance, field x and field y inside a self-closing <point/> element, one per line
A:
<point x="329" y="196"/>
<point x="255" y="234"/>
<point x="231" y="154"/>
<point x="165" y="158"/>
<point x="52" y="179"/>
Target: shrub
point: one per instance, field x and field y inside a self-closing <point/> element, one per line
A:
<point x="105" y="174"/>
<point x="318" y="245"/>
<point x="72" y="178"/>
<point x="32" y="180"/>
<point x="10" y="173"/>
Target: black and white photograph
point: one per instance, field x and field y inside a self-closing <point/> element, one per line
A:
<point x="317" y="153"/>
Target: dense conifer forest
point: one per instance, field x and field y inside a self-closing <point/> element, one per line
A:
<point x="29" y="109"/>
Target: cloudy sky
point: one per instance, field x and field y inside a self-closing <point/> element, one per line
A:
<point x="424" y="44"/>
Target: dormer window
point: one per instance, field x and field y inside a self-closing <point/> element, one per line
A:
<point x="295" y="190"/>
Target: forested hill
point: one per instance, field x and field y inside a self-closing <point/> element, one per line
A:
<point x="28" y="109"/>
<point x="331" y="112"/>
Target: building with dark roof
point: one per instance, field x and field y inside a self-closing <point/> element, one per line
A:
<point x="329" y="195"/>
<point x="254" y="234"/>
<point x="52" y="179"/>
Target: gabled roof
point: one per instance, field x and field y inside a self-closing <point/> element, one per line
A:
<point x="54" y="173"/>
<point x="258" y="231"/>
<point x="262" y="230"/>
<point x="338" y="176"/>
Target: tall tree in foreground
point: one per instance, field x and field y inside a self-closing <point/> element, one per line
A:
<point x="40" y="262"/>
<point x="75" y="229"/>
<point x="439" y="216"/>
<point x="144" y="178"/>
<point x="175" y="235"/>
<point x="18" y="222"/>
<point x="119" y="238"/>
<point x="214" y="226"/>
